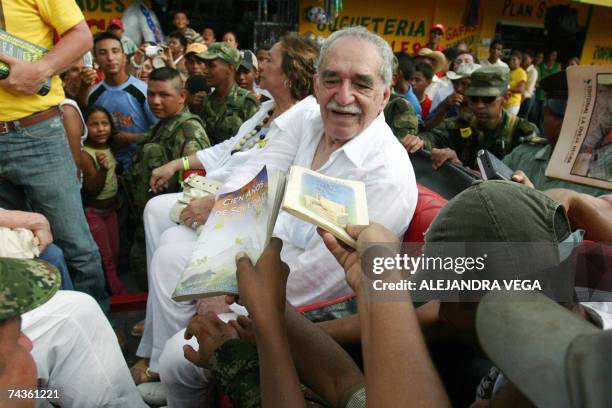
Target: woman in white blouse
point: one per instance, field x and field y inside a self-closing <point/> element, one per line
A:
<point x="287" y="73"/>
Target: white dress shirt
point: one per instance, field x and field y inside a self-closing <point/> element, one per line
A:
<point x="532" y="78"/>
<point x="374" y="156"/>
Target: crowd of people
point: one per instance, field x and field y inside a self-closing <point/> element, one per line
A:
<point x="94" y="170"/>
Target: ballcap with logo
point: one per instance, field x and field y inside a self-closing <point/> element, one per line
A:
<point x="222" y="51"/>
<point x="249" y="60"/>
<point x="24" y="285"/>
<point x="489" y="81"/>
<point x="554" y="357"/>
<point x="464" y="70"/>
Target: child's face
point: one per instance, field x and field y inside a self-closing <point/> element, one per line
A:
<point x="180" y="21"/>
<point x="98" y="127"/>
<point x="514" y="62"/>
<point x="230" y="39"/>
<point x="419" y="82"/>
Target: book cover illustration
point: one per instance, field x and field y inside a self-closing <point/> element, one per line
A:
<point x="328" y="202"/>
<point x="239" y="221"/>
<point x="24" y="50"/>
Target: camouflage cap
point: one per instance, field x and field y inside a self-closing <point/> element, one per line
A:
<point x="24" y="285"/>
<point x="222" y="51"/>
<point x="489" y="81"/>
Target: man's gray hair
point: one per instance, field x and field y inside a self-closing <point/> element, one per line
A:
<point x="361" y="33"/>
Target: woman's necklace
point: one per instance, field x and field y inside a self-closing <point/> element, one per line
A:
<point x="255" y="136"/>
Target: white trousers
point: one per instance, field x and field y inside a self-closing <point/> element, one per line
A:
<point x="76" y="352"/>
<point x="156" y="219"/>
<point x="164" y="316"/>
<point x="187" y="385"/>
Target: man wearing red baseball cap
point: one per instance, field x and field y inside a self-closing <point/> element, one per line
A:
<point x="435" y="35"/>
<point x="115" y="26"/>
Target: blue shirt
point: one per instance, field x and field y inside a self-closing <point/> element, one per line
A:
<point x="127" y="104"/>
<point x="414" y="101"/>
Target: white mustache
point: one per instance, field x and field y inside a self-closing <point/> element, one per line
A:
<point x="353" y="109"/>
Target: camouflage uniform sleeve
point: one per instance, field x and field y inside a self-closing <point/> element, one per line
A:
<point x="192" y="137"/>
<point x="405" y="120"/>
<point x="251" y="106"/>
<point x="524" y="128"/>
<point x="438" y="137"/>
<point x="234" y="367"/>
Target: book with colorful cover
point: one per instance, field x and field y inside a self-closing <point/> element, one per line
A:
<point x="328" y="202"/>
<point x="242" y="220"/>
<point x="19" y="48"/>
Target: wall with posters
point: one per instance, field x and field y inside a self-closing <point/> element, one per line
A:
<point x="98" y="13"/>
<point x="405" y="24"/>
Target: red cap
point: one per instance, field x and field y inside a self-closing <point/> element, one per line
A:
<point x="439" y="27"/>
<point x="116" y="22"/>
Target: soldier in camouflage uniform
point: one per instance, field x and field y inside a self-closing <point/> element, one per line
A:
<point x="25" y="284"/>
<point x="59" y="337"/>
<point x="488" y="126"/>
<point x="179" y="133"/>
<point x="399" y="113"/>
<point x="224" y="110"/>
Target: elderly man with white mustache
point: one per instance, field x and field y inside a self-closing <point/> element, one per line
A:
<point x="349" y="139"/>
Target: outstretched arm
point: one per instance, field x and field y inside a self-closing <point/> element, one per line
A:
<point x="398" y="369"/>
<point x="592" y="214"/>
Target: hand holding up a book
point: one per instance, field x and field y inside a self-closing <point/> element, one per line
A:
<point x="349" y="258"/>
<point x="25" y="78"/>
<point x="262" y="287"/>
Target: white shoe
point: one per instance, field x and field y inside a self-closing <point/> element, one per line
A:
<point x="153" y="393"/>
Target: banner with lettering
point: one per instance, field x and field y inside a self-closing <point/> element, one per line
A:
<point x="98" y="13"/>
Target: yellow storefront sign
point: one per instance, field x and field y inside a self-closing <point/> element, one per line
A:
<point x="98" y="13"/>
<point x="406" y="24"/>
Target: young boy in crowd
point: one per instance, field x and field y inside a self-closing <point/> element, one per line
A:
<point x="517" y="83"/>
<point x="181" y="22"/>
<point x="420" y="80"/>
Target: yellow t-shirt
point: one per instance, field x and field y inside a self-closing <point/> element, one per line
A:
<point x="36" y="21"/>
<point x="516" y="77"/>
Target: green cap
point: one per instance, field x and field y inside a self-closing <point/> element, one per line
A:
<point x="222" y="51"/>
<point x="24" y="285"/>
<point x="489" y="81"/>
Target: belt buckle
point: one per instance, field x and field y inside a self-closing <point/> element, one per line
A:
<point x="4" y="128"/>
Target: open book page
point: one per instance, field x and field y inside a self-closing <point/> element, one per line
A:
<point x="239" y="221"/>
<point x="327" y="202"/>
<point x="583" y="153"/>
